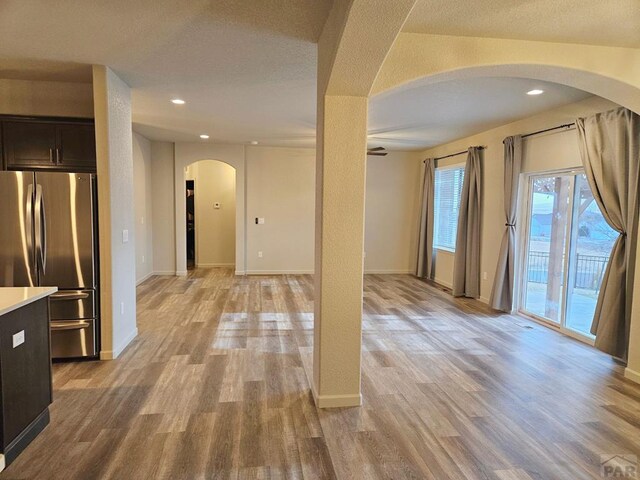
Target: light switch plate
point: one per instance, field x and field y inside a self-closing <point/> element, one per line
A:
<point x="125" y="236"/>
<point x="18" y="338"/>
<point x="261" y="221"/>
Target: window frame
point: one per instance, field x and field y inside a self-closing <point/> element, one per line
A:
<point x="453" y="166"/>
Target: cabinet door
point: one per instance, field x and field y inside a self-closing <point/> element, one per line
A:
<point x="26" y="367"/>
<point x="76" y="147"/>
<point x="29" y="145"/>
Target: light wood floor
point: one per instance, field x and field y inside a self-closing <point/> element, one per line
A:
<point x="215" y="387"/>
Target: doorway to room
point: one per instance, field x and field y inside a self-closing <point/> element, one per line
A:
<point x="210" y="227"/>
<point x="567" y="247"/>
<point x="191" y="224"/>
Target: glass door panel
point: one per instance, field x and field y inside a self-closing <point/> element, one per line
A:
<point x="549" y="218"/>
<point x="591" y="242"/>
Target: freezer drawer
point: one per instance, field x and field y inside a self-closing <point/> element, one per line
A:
<point x="74" y="304"/>
<point x="73" y="338"/>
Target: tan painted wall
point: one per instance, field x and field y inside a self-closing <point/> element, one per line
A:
<point x="163" y="219"/>
<point x="545" y="152"/>
<point x="392" y="207"/>
<point x="215" y="228"/>
<point x="280" y="189"/>
<point x="22" y="97"/>
<point x="143" y="206"/>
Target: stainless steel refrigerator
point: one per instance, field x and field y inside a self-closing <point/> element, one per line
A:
<point x="48" y="237"/>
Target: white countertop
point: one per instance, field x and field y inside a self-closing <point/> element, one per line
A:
<point x="12" y="298"/>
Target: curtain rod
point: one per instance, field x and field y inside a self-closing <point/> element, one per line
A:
<point x="566" y="125"/>
<point x="479" y="147"/>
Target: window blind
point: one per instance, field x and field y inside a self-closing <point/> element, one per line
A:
<point x="448" y="187"/>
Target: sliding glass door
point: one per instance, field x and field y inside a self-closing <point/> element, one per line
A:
<point x="567" y="247"/>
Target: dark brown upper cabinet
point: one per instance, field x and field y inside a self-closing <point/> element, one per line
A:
<point x="76" y="146"/>
<point x="48" y="145"/>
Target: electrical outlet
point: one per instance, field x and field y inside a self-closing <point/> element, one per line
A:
<point x="125" y="236"/>
<point x="121" y="308"/>
<point x="259" y="254"/>
<point x="142" y="220"/>
<point x="484" y="275"/>
<point x="18" y="339"/>
<point x="260" y="221"/>
<point x="142" y="258"/>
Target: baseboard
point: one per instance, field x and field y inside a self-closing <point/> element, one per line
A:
<point x="387" y="272"/>
<point x="240" y="272"/>
<point x="181" y="273"/>
<point x="115" y="353"/>
<point x="338" y="401"/>
<point x="632" y="375"/>
<point x="484" y="300"/>
<point x="440" y="283"/>
<point x="212" y="265"/>
<point x="164" y="272"/>
<point x="279" y="272"/>
<point x="146" y="277"/>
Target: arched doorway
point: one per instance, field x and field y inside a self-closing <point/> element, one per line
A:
<point x="210" y="214"/>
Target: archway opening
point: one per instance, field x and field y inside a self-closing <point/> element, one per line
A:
<point x="210" y="229"/>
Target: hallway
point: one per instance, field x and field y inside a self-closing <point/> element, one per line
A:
<point x="215" y="386"/>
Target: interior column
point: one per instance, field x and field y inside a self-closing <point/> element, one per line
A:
<point x="116" y="219"/>
<point x="340" y="191"/>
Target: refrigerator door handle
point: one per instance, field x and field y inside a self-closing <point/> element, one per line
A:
<point x="28" y="221"/>
<point x="41" y="229"/>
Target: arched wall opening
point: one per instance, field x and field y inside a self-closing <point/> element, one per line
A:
<point x="211" y="214"/>
<point x="187" y="154"/>
<point x="608" y="88"/>
<point x="600" y="85"/>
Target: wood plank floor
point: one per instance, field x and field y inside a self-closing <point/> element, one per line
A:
<point x="215" y="387"/>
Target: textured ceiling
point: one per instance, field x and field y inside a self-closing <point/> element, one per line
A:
<point x="247" y="69"/>
<point x="426" y="116"/>
<point x="596" y="22"/>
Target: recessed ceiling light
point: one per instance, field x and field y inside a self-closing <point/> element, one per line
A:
<point x="535" y="91"/>
<point x="254" y="142"/>
<point x="177" y="101"/>
<point x="204" y="137"/>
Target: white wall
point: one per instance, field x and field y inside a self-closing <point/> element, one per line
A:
<point x="114" y="147"/>
<point x="143" y="206"/>
<point x="555" y="150"/>
<point x="163" y="211"/>
<point x="214" y="182"/>
<point x="63" y="99"/>
<point x="280" y="189"/>
<point x="392" y="209"/>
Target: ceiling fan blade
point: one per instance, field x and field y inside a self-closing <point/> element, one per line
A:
<point x="377" y="154"/>
<point x="376" y="149"/>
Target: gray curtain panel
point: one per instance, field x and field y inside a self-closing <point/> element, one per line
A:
<point x="503" y="283"/>
<point x="425" y="242"/>
<point x="610" y="149"/>
<point x="466" y="262"/>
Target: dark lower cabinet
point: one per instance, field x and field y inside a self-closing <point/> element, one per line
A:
<point x="25" y="377"/>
